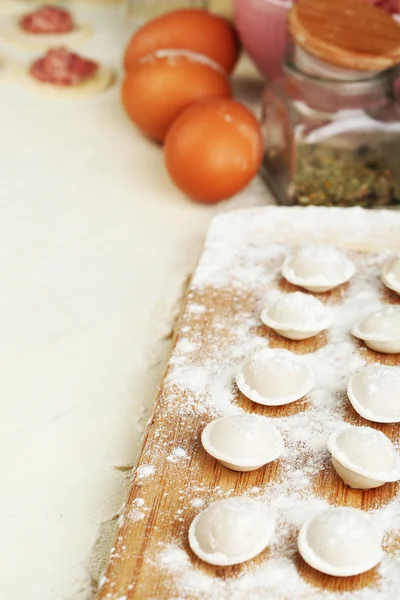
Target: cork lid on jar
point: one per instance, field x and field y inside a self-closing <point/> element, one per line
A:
<point x="347" y="33"/>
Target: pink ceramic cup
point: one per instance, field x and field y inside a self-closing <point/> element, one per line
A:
<point x="262" y="28"/>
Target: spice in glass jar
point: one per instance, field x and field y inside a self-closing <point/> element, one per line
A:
<point x="332" y="124"/>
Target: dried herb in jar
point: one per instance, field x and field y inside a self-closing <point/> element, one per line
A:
<point x="341" y="176"/>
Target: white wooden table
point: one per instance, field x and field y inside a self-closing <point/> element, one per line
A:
<point x="96" y="244"/>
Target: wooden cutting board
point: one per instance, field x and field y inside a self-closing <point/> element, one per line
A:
<point x="219" y="325"/>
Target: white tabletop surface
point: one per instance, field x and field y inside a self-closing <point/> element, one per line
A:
<point x="96" y="245"/>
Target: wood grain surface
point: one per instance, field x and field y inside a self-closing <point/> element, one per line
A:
<point x="133" y="571"/>
<point x="354" y="35"/>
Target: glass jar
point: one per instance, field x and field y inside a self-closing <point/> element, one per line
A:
<point x="332" y="141"/>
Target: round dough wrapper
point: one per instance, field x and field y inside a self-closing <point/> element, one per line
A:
<point x="102" y="80"/>
<point x="41" y="41"/>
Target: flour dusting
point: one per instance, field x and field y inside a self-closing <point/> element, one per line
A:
<point x="240" y="272"/>
<point x="144" y="471"/>
<point x="178" y="454"/>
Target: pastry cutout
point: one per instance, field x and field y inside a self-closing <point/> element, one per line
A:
<point x="242" y="442"/>
<point x="380" y="330"/>
<point x="363" y="457"/>
<point x="341" y="542"/>
<point x="318" y="268"/>
<point x="374" y="393"/>
<point x="297" y="316"/>
<point x="274" y="377"/>
<point x="231" y="531"/>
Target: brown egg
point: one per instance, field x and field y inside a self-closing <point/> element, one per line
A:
<point x="213" y="150"/>
<point x="159" y="88"/>
<point x="190" y="29"/>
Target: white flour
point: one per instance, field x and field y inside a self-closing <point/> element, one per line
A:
<point x="246" y="263"/>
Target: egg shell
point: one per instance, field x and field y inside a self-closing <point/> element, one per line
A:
<point x="189" y="29"/>
<point x="341" y="542"/>
<point x="213" y="150"/>
<point x="231" y="531"/>
<point x="363" y="457"/>
<point x="242" y="442"/>
<point x="374" y="393"/>
<point x="380" y="330"/>
<point x="317" y="269"/>
<point x="160" y="87"/>
<point x="274" y="377"/>
<point x="391" y="274"/>
<point x="297" y="316"/>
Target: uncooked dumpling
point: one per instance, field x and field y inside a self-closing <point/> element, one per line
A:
<point x="318" y="268"/>
<point x="242" y="442"/>
<point x="341" y="541"/>
<point x="274" y="377"/>
<point x="297" y="316"/>
<point x="391" y="274"/>
<point x="231" y="531"/>
<point x="374" y="393"/>
<point x="363" y="457"/>
<point x="380" y="330"/>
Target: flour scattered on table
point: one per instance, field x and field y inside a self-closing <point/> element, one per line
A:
<point x="197" y="502"/>
<point x="144" y="471"/>
<point x="135" y="515"/>
<point x="178" y="454"/>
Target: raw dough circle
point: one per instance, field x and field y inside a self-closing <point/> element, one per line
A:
<point x="318" y="268"/>
<point x="297" y="316"/>
<point x="102" y="79"/>
<point x="363" y="457"/>
<point x="274" y="377"/>
<point x="374" y="393"/>
<point x="341" y="542"/>
<point x="391" y="274"/>
<point x="380" y="330"/>
<point x="242" y="442"/>
<point x="231" y="531"/>
<point x="43" y="41"/>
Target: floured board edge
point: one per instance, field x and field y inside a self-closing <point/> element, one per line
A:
<point x="237" y="274"/>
